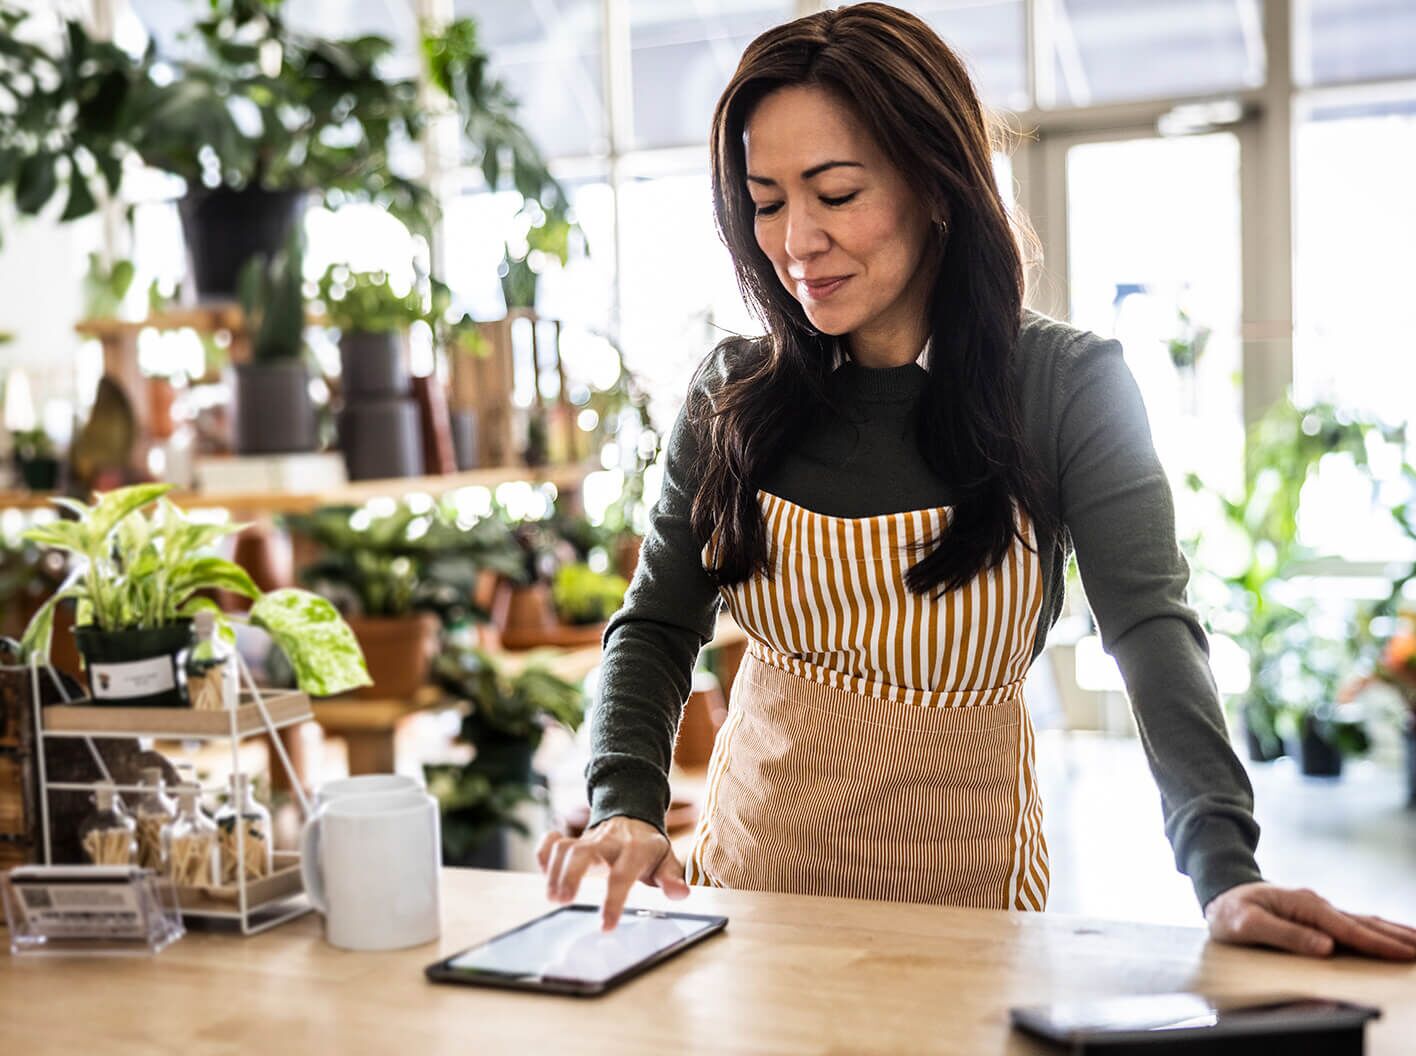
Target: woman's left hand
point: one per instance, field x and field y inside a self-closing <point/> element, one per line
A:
<point x="1300" y="921"/>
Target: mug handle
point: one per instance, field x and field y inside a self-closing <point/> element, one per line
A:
<point x="309" y="866"/>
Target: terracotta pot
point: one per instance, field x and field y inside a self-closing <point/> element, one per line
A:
<point x="703" y="716"/>
<point x="161" y="395"/>
<point x="267" y="557"/>
<point x="525" y="618"/>
<point x="398" y="651"/>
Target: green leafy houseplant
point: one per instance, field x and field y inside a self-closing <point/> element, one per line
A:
<point x="584" y="596"/>
<point x="36" y="458"/>
<point x="261" y="106"/>
<point x="506" y="718"/>
<point x="401" y="578"/>
<point x="366" y="301"/>
<point x="1293" y="677"/>
<point x="135" y="574"/>
<point x="405" y="561"/>
<point x="274" y="413"/>
<point x="273" y="300"/>
<point x="67" y="116"/>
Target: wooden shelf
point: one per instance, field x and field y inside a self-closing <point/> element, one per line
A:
<point x="356" y="493"/>
<point x="206" y="318"/>
<point x="347" y="714"/>
<point x="286" y="707"/>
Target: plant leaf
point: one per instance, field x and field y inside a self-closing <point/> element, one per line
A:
<point x="39" y="635"/>
<point x="113" y="506"/>
<point x="204" y="573"/>
<point x="321" y="646"/>
<point x="62" y="535"/>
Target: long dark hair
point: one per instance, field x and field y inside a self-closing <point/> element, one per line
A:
<point x="915" y="96"/>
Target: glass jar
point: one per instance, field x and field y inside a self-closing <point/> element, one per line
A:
<point x="242" y="810"/>
<point x="109" y="834"/>
<point x="189" y="843"/>
<point x="155" y="812"/>
<point x="208" y="667"/>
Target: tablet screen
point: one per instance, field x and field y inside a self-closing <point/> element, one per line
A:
<point x="568" y="944"/>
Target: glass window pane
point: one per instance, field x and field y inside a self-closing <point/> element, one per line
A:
<point x="679" y="296"/>
<point x="683" y="54"/>
<point x="991" y="37"/>
<point x="1353" y="40"/>
<point x="1352" y="180"/>
<point x="578" y="293"/>
<point x="165" y="20"/>
<point x="1153" y="232"/>
<point x="548" y="54"/>
<point x="1107" y="51"/>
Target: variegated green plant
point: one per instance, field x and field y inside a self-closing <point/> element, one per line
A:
<point x="135" y="571"/>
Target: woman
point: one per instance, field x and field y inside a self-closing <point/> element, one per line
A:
<point x="884" y="491"/>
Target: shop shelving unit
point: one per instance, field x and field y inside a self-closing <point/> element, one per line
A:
<point x="255" y="905"/>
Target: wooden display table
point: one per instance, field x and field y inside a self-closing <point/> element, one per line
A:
<point x="791" y="974"/>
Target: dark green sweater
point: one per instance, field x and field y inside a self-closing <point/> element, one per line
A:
<point x="1084" y="415"/>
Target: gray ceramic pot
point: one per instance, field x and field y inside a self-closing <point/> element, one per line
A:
<point x="380" y="438"/>
<point x="273" y="414"/>
<point x="373" y="366"/>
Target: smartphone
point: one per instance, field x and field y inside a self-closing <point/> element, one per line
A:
<point x="1171" y="1020"/>
<point x="565" y="952"/>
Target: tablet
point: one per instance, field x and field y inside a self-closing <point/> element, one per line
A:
<point x="565" y="952"/>
<point x="1172" y="1019"/>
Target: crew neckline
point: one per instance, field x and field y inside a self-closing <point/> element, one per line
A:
<point x="881" y="384"/>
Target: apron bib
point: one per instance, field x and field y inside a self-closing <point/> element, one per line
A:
<point x="877" y="743"/>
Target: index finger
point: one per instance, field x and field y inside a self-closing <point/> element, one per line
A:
<point x="627" y="868"/>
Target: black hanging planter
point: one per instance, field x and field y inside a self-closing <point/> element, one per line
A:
<point x="224" y="228"/>
<point x="135" y="668"/>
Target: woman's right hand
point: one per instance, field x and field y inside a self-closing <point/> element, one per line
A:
<point x="633" y="849"/>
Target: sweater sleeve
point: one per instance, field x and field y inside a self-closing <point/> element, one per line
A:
<point x="651" y="645"/>
<point x="1118" y="508"/>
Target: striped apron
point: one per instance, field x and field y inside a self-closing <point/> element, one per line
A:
<point x="877" y="743"/>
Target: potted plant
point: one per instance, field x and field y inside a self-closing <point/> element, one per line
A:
<point x="505" y="720"/>
<point x="1318" y="729"/>
<point x="400" y="578"/>
<point x="586" y="597"/>
<point x="36" y="459"/>
<point x="138" y="580"/>
<point x="257" y="123"/>
<point x="378" y="426"/>
<point x="457" y="66"/>
<point x="317" y="118"/>
<point x="273" y="413"/>
<point x="1283" y="452"/>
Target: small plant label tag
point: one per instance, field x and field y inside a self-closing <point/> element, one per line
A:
<point x="136" y="678"/>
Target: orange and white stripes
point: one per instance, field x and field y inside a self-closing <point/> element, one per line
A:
<point x="877" y="743"/>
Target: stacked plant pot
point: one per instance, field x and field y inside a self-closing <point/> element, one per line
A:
<point x="378" y="428"/>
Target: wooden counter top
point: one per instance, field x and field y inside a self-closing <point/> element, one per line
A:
<point x="790" y="974"/>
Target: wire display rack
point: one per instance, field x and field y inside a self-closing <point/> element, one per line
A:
<point x="255" y="904"/>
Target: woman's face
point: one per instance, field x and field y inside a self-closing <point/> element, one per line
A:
<point x="844" y="231"/>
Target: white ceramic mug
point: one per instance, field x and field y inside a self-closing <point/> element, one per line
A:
<point x="371" y="864"/>
<point x="366" y="784"/>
